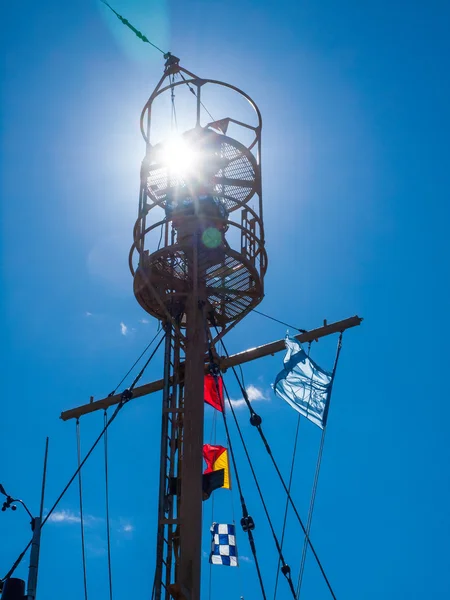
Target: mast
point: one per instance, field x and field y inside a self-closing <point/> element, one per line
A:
<point x="202" y="277"/>
<point x="198" y="261"/>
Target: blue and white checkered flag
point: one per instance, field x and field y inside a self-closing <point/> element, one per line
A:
<point x="223" y="545"/>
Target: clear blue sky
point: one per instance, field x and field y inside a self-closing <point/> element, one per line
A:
<point x="355" y="99"/>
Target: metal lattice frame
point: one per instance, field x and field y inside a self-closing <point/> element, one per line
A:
<point x="233" y="277"/>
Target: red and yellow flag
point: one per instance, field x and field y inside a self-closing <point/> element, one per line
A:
<point x="216" y="458"/>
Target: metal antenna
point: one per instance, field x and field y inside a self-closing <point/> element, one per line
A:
<point x="36" y="542"/>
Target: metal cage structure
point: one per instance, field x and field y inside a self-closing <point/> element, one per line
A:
<point x="218" y="201"/>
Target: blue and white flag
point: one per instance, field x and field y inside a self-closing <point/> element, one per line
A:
<point x="223" y="546"/>
<point x="303" y="384"/>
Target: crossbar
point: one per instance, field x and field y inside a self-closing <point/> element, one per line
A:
<point x="225" y="363"/>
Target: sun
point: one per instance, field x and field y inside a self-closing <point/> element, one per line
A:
<point x="179" y="156"/>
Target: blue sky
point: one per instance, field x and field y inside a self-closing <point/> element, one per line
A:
<point x="354" y="98"/>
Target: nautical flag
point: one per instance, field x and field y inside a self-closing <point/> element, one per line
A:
<point x="216" y="458"/>
<point x="223" y="545"/>
<point x="210" y="482"/>
<point x="221" y="125"/>
<point x="303" y="384"/>
<point x="213" y="396"/>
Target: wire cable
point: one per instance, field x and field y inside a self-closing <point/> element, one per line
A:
<point x="258" y="312"/>
<point x="191" y="89"/>
<point x="135" y="362"/>
<point x="126" y="397"/>
<point x="318" y="465"/>
<point x="310" y="513"/>
<point x="173" y="120"/>
<point x="140" y="35"/>
<point x="245" y="514"/>
<point x="80" y="489"/>
<point x="256" y="420"/>
<point x="108" y="527"/>
<point x="269" y="520"/>
<point x="286" y="508"/>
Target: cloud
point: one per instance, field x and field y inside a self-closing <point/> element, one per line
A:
<point x="144" y="321"/>
<point x="124" y="527"/>
<point x="64" y="516"/>
<point x="70" y="517"/>
<point x="246" y="559"/>
<point x="88" y="314"/>
<point x="123" y="329"/>
<point x="254" y="394"/>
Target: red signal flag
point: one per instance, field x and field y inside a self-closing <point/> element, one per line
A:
<point x="213" y="392"/>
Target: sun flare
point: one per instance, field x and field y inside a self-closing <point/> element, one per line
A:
<point x="179" y="156"/>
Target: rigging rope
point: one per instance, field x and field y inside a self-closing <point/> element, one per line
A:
<point x="212" y="440"/>
<point x="134" y="364"/>
<point x="196" y="95"/>
<point x="278" y="321"/>
<point x="140" y="35"/>
<point x="246" y="521"/>
<point x="108" y="528"/>
<point x="80" y="489"/>
<point x="125" y="397"/>
<point x="310" y="512"/>
<point x="285" y="567"/>
<point x="291" y="474"/>
<point x="256" y="421"/>
<point x="318" y="465"/>
<point x="173" y="120"/>
<point x="210" y="564"/>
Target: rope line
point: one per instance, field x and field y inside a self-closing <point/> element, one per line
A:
<point x="310" y="513"/>
<point x="245" y="514"/>
<point x="317" y="473"/>
<point x="135" y="363"/>
<point x="294" y="454"/>
<point x="126" y="397"/>
<point x="196" y="95"/>
<point x="286" y="509"/>
<point x="278" y="321"/>
<point x="256" y="420"/>
<point x="212" y="440"/>
<point x="302" y="525"/>
<point x="108" y="528"/>
<point x="140" y="35"/>
<point x="80" y="489"/>
<point x="269" y="520"/>
<point x="173" y="120"/>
